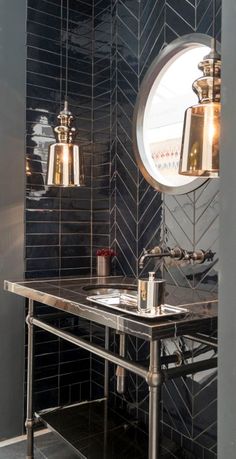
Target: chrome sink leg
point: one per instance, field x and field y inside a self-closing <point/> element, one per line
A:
<point x="29" y="423"/>
<point x="106" y="365"/>
<point x="120" y="371"/>
<point x="154" y="381"/>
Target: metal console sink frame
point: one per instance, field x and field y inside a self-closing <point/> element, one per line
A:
<point x="69" y="296"/>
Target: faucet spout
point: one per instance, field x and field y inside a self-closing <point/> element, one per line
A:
<point x="158" y="252"/>
<point x="151" y="255"/>
<point x="198" y="256"/>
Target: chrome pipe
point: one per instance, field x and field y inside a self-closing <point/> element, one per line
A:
<point x="106" y="365"/>
<point x="120" y="371"/>
<point x="93" y="348"/>
<point x="152" y="255"/>
<point x="189" y="369"/>
<point x="106" y="391"/>
<point x="29" y="423"/>
<point x="178" y="357"/>
<point x="154" y="401"/>
<point x="177" y="253"/>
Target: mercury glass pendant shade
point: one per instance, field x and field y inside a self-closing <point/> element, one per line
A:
<point x="65" y="161"/>
<point x="201" y="133"/>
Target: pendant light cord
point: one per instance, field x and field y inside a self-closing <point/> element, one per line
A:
<point x="61" y="54"/>
<point x="214" y="23"/>
<point x="67" y="46"/>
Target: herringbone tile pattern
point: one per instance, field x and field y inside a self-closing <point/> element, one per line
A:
<point x="100" y="203"/>
<point x="142" y="217"/>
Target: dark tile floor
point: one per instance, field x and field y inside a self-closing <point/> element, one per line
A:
<point x="50" y="446"/>
<point x="47" y="446"/>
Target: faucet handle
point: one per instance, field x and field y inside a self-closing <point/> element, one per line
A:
<point x="198" y="256"/>
<point x="209" y="255"/>
<point x="156" y="250"/>
<point x="151" y="275"/>
<point x="177" y="253"/>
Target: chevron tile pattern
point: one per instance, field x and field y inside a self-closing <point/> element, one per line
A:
<point x="142" y="217"/>
<point x="190" y="404"/>
<point x="101" y="127"/>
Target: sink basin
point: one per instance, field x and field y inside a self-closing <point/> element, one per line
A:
<point x="110" y="289"/>
<point x="125" y="300"/>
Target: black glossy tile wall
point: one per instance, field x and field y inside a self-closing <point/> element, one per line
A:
<point x="58" y="221"/>
<point x="61" y="370"/>
<point x="141" y="217"/>
<point x="111" y="45"/>
<point x="101" y="126"/>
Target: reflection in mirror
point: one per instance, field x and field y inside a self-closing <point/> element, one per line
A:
<point x="166" y="92"/>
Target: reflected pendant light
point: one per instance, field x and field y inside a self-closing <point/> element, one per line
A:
<point x="65" y="160"/>
<point x="27" y="167"/>
<point x="201" y="133"/>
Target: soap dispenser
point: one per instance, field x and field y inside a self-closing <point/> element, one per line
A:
<point x="151" y="294"/>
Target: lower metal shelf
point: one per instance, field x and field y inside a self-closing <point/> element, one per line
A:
<point x="95" y="431"/>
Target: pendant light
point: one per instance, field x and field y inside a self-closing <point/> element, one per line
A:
<point x="201" y="133"/>
<point x="65" y="161"/>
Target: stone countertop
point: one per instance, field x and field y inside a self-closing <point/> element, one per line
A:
<point x="67" y="294"/>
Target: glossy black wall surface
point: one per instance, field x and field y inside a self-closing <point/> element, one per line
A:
<point x="141" y="217"/>
<point x="101" y="126"/>
<point x="65" y="227"/>
<point x="112" y="44"/>
<point x="58" y="221"/>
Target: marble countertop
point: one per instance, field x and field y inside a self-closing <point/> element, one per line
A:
<point x="67" y="294"/>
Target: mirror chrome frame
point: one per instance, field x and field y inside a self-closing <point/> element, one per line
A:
<point x="175" y="47"/>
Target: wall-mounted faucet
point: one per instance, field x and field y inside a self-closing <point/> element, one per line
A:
<point x="176" y="253"/>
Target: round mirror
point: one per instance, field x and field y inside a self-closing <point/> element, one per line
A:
<point x="165" y="93"/>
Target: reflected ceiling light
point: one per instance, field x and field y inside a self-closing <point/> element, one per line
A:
<point x="201" y="133"/>
<point x="65" y="160"/>
<point x="27" y="167"/>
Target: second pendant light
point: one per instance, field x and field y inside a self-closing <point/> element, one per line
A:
<point x="201" y="134"/>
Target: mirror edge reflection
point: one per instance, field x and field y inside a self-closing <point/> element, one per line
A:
<point x="160" y="62"/>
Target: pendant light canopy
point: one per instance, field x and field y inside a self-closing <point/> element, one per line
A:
<point x="201" y="133"/>
<point x="65" y="160"/>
